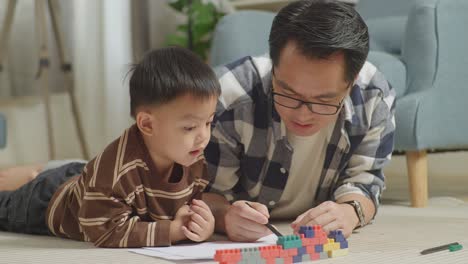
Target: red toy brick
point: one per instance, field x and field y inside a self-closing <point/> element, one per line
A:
<point x="314" y="256"/>
<point x="291" y="252"/>
<point x="310" y="241"/>
<point x="268" y="252"/>
<point x="310" y="249"/>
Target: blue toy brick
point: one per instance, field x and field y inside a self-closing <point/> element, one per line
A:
<point x="297" y="259"/>
<point x="337" y="235"/>
<point x="318" y="248"/>
<point x="344" y="244"/>
<point x="307" y="231"/>
<point x="301" y="251"/>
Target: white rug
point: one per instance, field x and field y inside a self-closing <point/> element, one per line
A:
<point x="397" y="236"/>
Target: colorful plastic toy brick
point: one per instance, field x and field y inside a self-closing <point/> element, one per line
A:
<point x="312" y="243"/>
<point x="307" y="231"/>
<point x="228" y="256"/>
<point x="291" y="241"/>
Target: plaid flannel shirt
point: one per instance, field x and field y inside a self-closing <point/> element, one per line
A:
<point x="249" y="156"/>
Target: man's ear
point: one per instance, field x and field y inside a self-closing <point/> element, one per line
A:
<point x="146" y="122"/>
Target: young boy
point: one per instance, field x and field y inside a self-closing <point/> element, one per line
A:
<point x="135" y="193"/>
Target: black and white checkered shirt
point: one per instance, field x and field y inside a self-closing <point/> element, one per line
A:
<point x="249" y="156"/>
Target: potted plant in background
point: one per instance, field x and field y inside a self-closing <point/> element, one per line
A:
<point x="196" y="33"/>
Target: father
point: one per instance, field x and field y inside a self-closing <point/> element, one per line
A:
<point x="304" y="133"/>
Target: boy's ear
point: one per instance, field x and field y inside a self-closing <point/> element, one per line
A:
<point x="146" y="122"/>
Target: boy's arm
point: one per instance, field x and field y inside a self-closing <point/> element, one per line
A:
<point x="219" y="207"/>
<point x="107" y="218"/>
<point x="109" y="222"/>
<point x="216" y="202"/>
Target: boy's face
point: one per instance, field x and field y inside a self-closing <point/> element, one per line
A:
<point x="181" y="129"/>
<point x="313" y="80"/>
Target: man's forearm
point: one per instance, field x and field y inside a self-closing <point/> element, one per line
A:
<point x="219" y="206"/>
<point x="366" y="203"/>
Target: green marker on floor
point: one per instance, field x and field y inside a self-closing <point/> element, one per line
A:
<point x="455" y="247"/>
<point x="452" y="247"/>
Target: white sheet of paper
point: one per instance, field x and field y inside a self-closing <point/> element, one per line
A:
<point x="204" y="250"/>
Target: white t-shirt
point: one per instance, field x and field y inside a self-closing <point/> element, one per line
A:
<point x="304" y="174"/>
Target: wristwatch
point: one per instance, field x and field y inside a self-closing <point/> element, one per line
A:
<point x="359" y="212"/>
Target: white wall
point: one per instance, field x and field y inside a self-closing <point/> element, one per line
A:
<point x="101" y="54"/>
<point x="27" y="138"/>
<point x="100" y="46"/>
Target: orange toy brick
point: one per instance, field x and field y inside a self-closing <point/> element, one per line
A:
<point x="268" y="252"/>
<point x="228" y="256"/>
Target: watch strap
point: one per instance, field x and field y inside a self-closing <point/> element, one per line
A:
<point x="359" y="212"/>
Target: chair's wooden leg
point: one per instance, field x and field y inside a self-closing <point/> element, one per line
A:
<point x="417" y="175"/>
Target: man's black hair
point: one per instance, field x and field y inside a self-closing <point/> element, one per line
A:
<point x="320" y="29"/>
<point x="167" y="73"/>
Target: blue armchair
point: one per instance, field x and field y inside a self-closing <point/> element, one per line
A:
<point x="3" y="131"/>
<point x="419" y="46"/>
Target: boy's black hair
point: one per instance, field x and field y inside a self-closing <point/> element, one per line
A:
<point x="321" y="28"/>
<point x="167" y="73"/>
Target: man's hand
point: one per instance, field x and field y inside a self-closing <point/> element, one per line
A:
<point x="201" y="224"/>
<point x="181" y="218"/>
<point x="331" y="216"/>
<point x="245" y="224"/>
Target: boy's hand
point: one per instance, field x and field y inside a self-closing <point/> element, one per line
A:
<point x="182" y="217"/>
<point x="201" y="224"/>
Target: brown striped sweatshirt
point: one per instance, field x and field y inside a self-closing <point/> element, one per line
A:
<point x="120" y="201"/>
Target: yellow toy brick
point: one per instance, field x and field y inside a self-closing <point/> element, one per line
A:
<point x="336" y="246"/>
<point x="329" y="245"/>
<point x="337" y="253"/>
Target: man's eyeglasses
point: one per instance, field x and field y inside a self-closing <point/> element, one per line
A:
<point x="317" y="108"/>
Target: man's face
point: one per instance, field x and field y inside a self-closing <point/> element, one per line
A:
<point x="313" y="80"/>
<point x="182" y="129"/>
